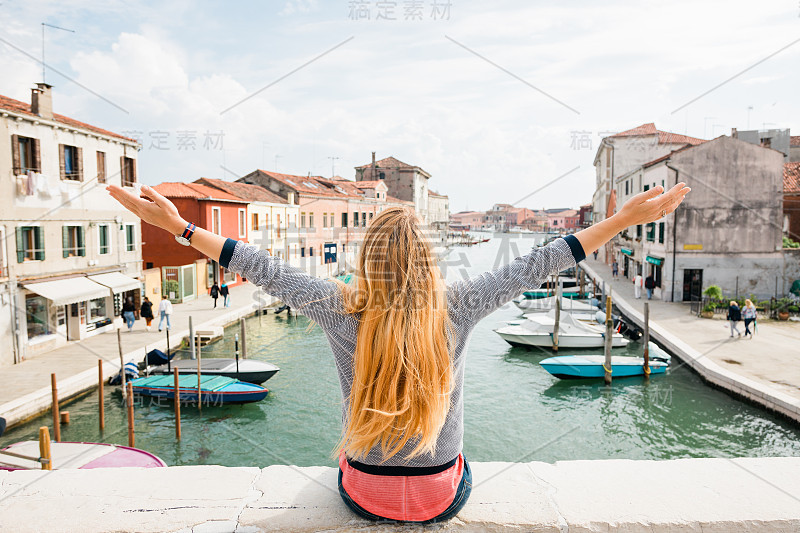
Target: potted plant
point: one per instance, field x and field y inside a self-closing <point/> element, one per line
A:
<point x="714" y="292"/>
<point x="708" y="311"/>
<point x="783" y="308"/>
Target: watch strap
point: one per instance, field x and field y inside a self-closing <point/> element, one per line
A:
<point x="189" y="231"/>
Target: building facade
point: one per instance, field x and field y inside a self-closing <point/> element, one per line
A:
<point x="70" y="254"/>
<point x="408" y="183"/>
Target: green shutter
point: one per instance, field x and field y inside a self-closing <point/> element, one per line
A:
<point x="81" y="243"/>
<point x="65" y="240"/>
<point x="39" y="243"/>
<point x="20" y="247"/>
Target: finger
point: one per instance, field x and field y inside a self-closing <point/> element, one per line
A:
<point x="649" y="194"/>
<point x="154" y="195"/>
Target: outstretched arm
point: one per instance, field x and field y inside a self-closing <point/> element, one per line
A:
<point x="315" y="298"/>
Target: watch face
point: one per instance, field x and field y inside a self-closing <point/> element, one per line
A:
<point x="182" y="240"/>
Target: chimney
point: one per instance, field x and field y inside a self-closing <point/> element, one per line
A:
<point x="42" y="100"/>
<point x="734" y="133"/>
<point x="373" y="166"/>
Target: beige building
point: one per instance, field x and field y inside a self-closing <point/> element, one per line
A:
<point x="405" y="182"/>
<point x="70" y="254"/>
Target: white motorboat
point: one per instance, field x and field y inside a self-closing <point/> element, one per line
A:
<point x="547" y="304"/>
<point x="537" y="330"/>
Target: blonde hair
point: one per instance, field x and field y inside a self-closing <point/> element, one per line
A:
<point x="748" y="303"/>
<point x="402" y="369"/>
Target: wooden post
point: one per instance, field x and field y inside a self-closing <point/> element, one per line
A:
<point x="131" y="435"/>
<point x="236" y="346"/>
<point x="582" y="281"/>
<point x="65" y="417"/>
<point x="121" y="361"/>
<point x="608" y="339"/>
<point x="146" y="366"/>
<point x="177" y="406"/>
<point x="242" y="329"/>
<point x="646" y="340"/>
<point x="558" y="320"/>
<point x="100" y="397"/>
<point x="56" y="418"/>
<point x="44" y="448"/>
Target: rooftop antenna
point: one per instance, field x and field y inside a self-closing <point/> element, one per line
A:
<point x="333" y="162"/>
<point x="44" y="24"/>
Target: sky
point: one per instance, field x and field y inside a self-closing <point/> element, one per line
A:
<point x="501" y="102"/>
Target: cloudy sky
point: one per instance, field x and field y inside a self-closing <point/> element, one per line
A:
<point x="494" y="99"/>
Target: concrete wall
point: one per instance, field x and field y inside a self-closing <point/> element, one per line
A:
<point x="756" y="495"/>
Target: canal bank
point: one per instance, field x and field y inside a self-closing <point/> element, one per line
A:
<point x="758" y="495"/>
<point x="25" y="388"/>
<point x="762" y="370"/>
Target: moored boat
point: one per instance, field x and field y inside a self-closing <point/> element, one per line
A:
<point x="593" y="366"/>
<point x="249" y="370"/>
<point x="214" y="390"/>
<point x="77" y="455"/>
<point x="538" y="331"/>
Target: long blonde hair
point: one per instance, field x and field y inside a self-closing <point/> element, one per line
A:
<point x="402" y="369"/>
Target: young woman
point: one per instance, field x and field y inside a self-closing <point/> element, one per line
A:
<point x="734" y="316"/>
<point x="399" y="337"/>
<point x="749" y="314"/>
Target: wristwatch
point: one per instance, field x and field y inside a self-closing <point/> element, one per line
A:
<point x="185" y="237"/>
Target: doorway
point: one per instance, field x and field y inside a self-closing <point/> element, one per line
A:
<point x="692" y="284"/>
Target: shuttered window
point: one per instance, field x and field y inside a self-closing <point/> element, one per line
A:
<point x="101" y="167"/>
<point x="104" y="239"/>
<point x="25" y="154"/>
<point x="127" y="167"/>
<point x="70" y="160"/>
<point x="72" y="241"/>
<point x="130" y="237"/>
<point x="30" y="243"/>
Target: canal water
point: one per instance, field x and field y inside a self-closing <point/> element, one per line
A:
<point x="514" y="410"/>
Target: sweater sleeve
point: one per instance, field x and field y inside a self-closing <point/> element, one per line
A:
<point x="473" y="299"/>
<point x="317" y="299"/>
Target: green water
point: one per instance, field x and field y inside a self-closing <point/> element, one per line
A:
<point x="514" y="410"/>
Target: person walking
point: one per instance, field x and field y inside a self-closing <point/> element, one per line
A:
<point x="146" y="311"/>
<point x="649" y="286"/>
<point x="399" y="336"/>
<point x="128" y="310"/>
<point x="637" y="286"/>
<point x="734" y="316"/>
<point x="749" y="314"/>
<point x="225" y="294"/>
<point x="214" y="291"/>
<point x="615" y="269"/>
<point x="164" y="310"/>
<point x="595" y="255"/>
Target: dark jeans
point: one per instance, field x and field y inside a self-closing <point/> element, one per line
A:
<point x="462" y="495"/>
<point x="747" y="322"/>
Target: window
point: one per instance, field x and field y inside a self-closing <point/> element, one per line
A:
<point x="324" y="220"/>
<point x="661" y="232"/>
<point x="25" y="154"/>
<point x="103" y="238"/>
<point x="311" y="251"/>
<point x="651" y="232"/>
<point x="73" y="241"/>
<point x="311" y="220"/>
<point x="30" y="243"/>
<point x="303" y="251"/>
<point x="302" y="220"/>
<point x="255" y="222"/>
<point x="242" y="223"/>
<point x="130" y="237"/>
<point x="36" y="316"/>
<point x="216" y="221"/>
<point x="355" y="219"/>
<point x="639" y="231"/>
<point x="363" y="220"/>
<point x="127" y="167"/>
<point x="344" y="220"/>
<point x="626" y="187"/>
<point x="101" y="167"/>
<point x="278" y="226"/>
<point x="71" y="162"/>
<point x="371" y="215"/>
<point x="646" y="187"/>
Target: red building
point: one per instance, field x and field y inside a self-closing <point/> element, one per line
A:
<point x="184" y="270"/>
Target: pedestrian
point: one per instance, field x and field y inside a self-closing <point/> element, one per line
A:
<point x="650" y="285"/>
<point x="164" y="310"/>
<point x="595" y="255"/>
<point x="146" y="311"/>
<point x="128" y="310"/>
<point x="615" y="269"/>
<point x="637" y="286"/>
<point x="734" y="316"/>
<point x="214" y="290"/>
<point x="400" y="354"/>
<point x="749" y="314"/>
<point x="225" y="294"/>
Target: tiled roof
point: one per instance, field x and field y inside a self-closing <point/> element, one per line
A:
<point x="434" y="193"/>
<point x="388" y="162"/>
<point x="245" y="191"/>
<point x="664" y="137"/>
<point x="315" y="185"/>
<point x="367" y="184"/>
<point x="794" y="140"/>
<point x="195" y="190"/>
<point x="25" y="109"/>
<point x="791" y="178"/>
<point x="667" y="156"/>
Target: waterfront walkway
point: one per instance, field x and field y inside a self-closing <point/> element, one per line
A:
<point x="25" y="387"/>
<point x="770" y="359"/>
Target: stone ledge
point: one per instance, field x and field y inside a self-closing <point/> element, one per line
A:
<point x="685" y="495"/>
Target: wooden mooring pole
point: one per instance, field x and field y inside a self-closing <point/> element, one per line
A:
<point x="100" y="397"/>
<point x="609" y="338"/>
<point x="121" y="361"/>
<point x="45" y="456"/>
<point x="243" y="333"/>
<point x="557" y="322"/>
<point x="177" y="405"/>
<point x="129" y="400"/>
<point x="193" y="351"/>
<point x="56" y="417"/>
<point x="646" y="340"/>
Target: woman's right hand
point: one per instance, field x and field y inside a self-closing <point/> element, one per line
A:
<point x="651" y="205"/>
<point x="151" y="207"/>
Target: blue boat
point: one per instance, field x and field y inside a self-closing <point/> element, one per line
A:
<point x="593" y="366"/>
<point x="215" y="390"/>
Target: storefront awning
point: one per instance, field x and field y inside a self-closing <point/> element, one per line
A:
<point x="626" y="251"/>
<point x="68" y="291"/>
<point x="655" y="260"/>
<point x="116" y="281"/>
